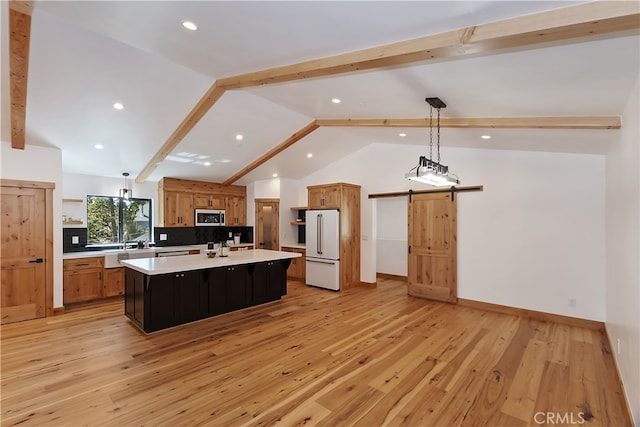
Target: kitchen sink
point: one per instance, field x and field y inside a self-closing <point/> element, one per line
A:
<point x="112" y="260"/>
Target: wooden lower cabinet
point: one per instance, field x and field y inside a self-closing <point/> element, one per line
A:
<point x="113" y="282"/>
<point x="82" y="279"/>
<point x="155" y="302"/>
<point x="298" y="268"/>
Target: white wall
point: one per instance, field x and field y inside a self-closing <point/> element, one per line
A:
<point x="391" y="235"/>
<point x="77" y="186"/>
<point x="623" y="251"/>
<point x="36" y="163"/>
<point x="534" y="238"/>
<point x="287" y="190"/>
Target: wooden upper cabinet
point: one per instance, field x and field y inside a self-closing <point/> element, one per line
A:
<point x="179" y="197"/>
<point x="236" y="210"/>
<point x="325" y="196"/>
<point x="178" y="209"/>
<point x="208" y="201"/>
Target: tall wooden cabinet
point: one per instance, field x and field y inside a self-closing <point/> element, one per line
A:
<point x="179" y="197"/>
<point x="346" y="198"/>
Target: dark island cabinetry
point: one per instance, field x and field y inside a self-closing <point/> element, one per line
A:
<point x="160" y="301"/>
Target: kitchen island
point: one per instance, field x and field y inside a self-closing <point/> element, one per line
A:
<point x="165" y="292"/>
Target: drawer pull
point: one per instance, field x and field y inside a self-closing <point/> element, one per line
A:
<point x="37" y="260"/>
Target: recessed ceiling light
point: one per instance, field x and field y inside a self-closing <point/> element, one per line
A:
<point x="239" y="137"/>
<point x="402" y="134"/>
<point x="486" y="137"/>
<point x="207" y="163"/>
<point x="275" y="175"/>
<point x="309" y="155"/>
<point x="98" y="146"/>
<point x="189" y="25"/>
<point x="336" y="100"/>
<point x="118" y="106"/>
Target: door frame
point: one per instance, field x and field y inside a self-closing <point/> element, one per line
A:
<point x="48" y="188"/>
<point x="257" y="204"/>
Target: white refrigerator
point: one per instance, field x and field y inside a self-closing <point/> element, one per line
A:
<point x="323" y="248"/>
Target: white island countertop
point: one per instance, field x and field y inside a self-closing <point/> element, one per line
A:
<point x="153" y="266"/>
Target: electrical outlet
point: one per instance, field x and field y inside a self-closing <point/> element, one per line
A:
<point x="163" y="236"/>
<point x="572" y="302"/>
<point x="75" y="240"/>
<point x="618" y="346"/>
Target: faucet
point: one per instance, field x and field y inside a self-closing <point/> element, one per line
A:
<point x="124" y="240"/>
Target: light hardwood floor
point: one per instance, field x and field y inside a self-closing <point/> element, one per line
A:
<point x="365" y="357"/>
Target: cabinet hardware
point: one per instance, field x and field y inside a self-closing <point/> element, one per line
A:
<point x="82" y="264"/>
<point x="100" y="275"/>
<point x="37" y="261"/>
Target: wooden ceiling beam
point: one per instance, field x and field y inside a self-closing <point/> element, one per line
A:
<point x="273" y="152"/>
<point x="596" y="18"/>
<point x="202" y="107"/>
<point x="20" y="35"/>
<point x="559" y="25"/>
<point x="595" y="122"/>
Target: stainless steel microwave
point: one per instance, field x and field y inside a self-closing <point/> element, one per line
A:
<point x="209" y="217"/>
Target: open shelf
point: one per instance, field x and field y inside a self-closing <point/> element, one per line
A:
<point x="298" y="223"/>
<point x="72" y="223"/>
<point x="73" y="200"/>
<point x="299" y="208"/>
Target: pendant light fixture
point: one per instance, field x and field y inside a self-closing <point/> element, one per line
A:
<point x="429" y="171"/>
<point x="125" y="192"/>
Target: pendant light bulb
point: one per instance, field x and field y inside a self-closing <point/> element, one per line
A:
<point x="125" y="192"/>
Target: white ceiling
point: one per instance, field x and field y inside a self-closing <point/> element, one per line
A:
<point x="87" y="55"/>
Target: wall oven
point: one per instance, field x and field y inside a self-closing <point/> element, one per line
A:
<point x="209" y="217"/>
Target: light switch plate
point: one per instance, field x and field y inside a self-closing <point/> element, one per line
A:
<point x="75" y="240"/>
<point x="163" y="237"/>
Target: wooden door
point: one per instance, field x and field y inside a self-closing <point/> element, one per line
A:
<point x="432" y="247"/>
<point x="267" y="220"/>
<point x="23" y="253"/>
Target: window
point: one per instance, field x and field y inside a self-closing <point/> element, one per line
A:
<point x="109" y="218"/>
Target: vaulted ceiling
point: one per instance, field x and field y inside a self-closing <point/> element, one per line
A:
<point x="85" y="56"/>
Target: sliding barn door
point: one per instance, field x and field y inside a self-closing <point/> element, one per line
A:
<point x="432" y="247"/>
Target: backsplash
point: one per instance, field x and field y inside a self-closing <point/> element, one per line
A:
<point x="177" y="236"/>
<point x="67" y="238"/>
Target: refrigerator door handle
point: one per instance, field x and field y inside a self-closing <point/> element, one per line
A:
<point x="319" y="230"/>
<point x="321" y="262"/>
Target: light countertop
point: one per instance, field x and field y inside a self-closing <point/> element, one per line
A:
<point x="151" y="251"/>
<point x="295" y="245"/>
<point x="164" y="265"/>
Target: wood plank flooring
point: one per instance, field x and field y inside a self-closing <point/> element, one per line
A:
<point x="361" y="357"/>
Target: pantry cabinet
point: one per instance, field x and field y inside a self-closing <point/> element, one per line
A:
<point x="346" y="198"/>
